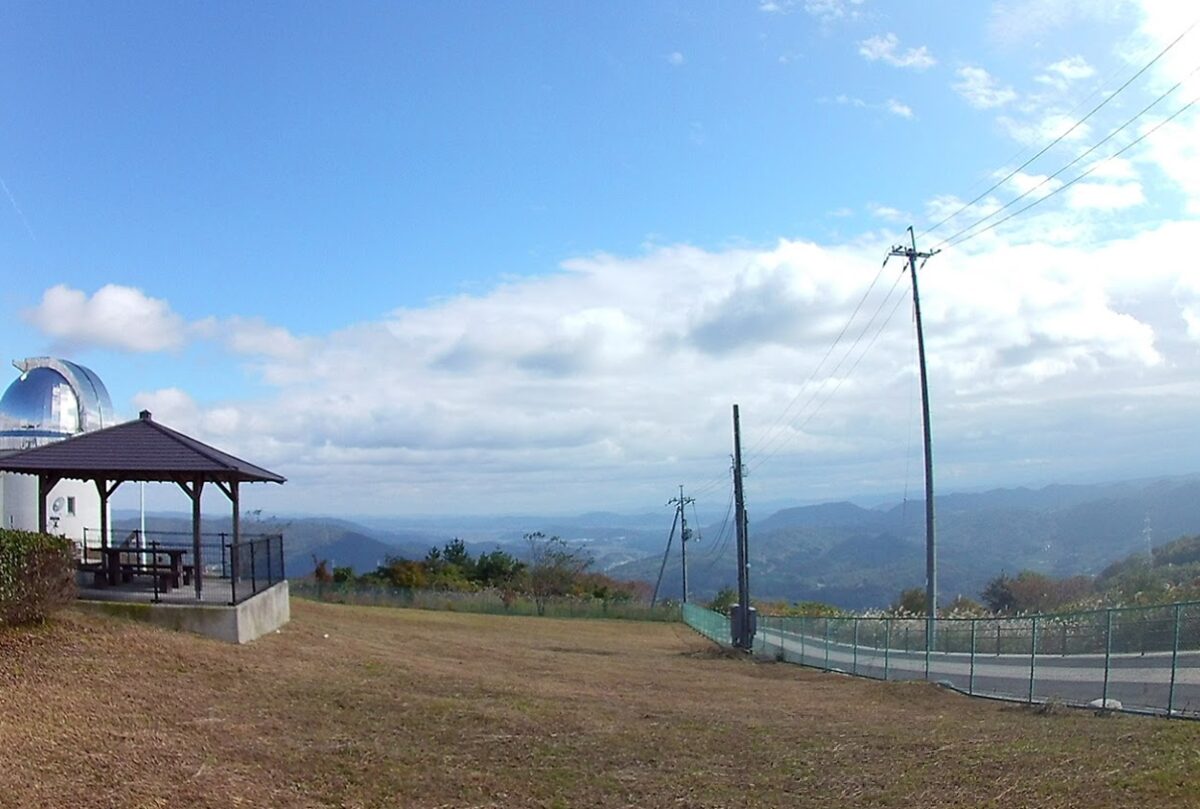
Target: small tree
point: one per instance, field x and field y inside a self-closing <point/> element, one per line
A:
<point x="911" y="602"/>
<point x="725" y="598"/>
<point x="998" y="595"/>
<point x="321" y="574"/>
<point x="497" y="569"/>
<point x="554" y="568"/>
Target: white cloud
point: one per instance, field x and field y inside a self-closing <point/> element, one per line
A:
<point x="1020" y="22"/>
<point x="116" y="317"/>
<point x="1024" y="183"/>
<point x="675" y="58"/>
<point x="1105" y="196"/>
<point x="892" y="105"/>
<point x="884" y="48"/>
<point x="827" y="11"/>
<point x="605" y="372"/>
<point x="254" y="337"/>
<point x="1061" y="73"/>
<point x="981" y="90"/>
<point x="886" y="212"/>
<point x="1044" y="127"/>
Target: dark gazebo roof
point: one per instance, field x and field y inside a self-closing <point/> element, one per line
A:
<point x="136" y="450"/>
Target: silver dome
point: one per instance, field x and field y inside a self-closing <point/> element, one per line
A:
<point x="51" y="400"/>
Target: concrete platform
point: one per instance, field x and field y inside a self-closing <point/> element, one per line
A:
<point x="179" y="610"/>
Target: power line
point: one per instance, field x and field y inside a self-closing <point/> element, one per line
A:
<point x="1073" y="127"/>
<point x="1086" y="173"/>
<point x="768" y="435"/>
<point x="1077" y="159"/>
<point x="760" y="460"/>
<point x="845" y="327"/>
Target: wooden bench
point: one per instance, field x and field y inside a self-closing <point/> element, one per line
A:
<point x="166" y="576"/>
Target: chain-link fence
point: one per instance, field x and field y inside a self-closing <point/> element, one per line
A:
<point x="1139" y="659"/>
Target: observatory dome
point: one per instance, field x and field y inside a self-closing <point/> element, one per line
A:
<point x="51" y="400"/>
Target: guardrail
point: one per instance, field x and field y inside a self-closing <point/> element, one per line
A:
<point x="1136" y="659"/>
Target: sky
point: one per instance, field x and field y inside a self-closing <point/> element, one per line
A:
<point x="479" y="258"/>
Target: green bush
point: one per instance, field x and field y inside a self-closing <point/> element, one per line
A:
<point x="36" y="576"/>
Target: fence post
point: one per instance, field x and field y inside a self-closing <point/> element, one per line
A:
<point x="253" y="571"/>
<point x="154" y="569"/>
<point x="927" y="644"/>
<point x="1064" y="638"/>
<point x="827" y="643"/>
<point x="887" y="644"/>
<point x="1033" y="638"/>
<point x="971" y="676"/>
<point x="1174" y="660"/>
<point x="854" y="665"/>
<point x="267" y="548"/>
<point x="1107" y="655"/>
<point x="997" y="638"/>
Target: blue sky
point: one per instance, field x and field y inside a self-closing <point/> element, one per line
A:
<point x="529" y="253"/>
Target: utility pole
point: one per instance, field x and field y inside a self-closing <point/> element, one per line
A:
<point x="744" y="629"/>
<point x="911" y="254"/>
<point x="684" y="534"/>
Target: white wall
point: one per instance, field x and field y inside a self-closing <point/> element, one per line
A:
<point x="19" y="507"/>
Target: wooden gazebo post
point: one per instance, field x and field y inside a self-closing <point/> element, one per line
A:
<point x="105" y="492"/>
<point x="193" y="489"/>
<point x="46" y="482"/>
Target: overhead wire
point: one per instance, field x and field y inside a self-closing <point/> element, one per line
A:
<point x="1097" y="164"/>
<point x="771" y="441"/>
<point x="845" y="327"/>
<point x="757" y="461"/>
<point x="1077" y="159"/>
<point x="1067" y="132"/>
<point x="722" y="540"/>
<point x="713" y="483"/>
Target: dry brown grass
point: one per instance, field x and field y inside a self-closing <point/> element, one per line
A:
<point x="421" y="709"/>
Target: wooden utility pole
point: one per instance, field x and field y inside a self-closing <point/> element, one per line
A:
<point x="931" y="592"/>
<point x="743" y="636"/>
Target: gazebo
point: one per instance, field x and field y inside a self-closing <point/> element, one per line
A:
<point x="140" y="450"/>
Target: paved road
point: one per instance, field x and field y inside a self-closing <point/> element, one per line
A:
<point x="1139" y="682"/>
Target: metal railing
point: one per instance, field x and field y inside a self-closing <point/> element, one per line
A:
<point x="249" y="567"/>
<point x="255" y="565"/>
<point x="1136" y="659"/>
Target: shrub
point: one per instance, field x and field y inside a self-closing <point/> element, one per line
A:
<point x="36" y="576"/>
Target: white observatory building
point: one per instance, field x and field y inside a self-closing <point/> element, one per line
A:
<point x="51" y="400"/>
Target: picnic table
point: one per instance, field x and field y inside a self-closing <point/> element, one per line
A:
<point x="172" y="572"/>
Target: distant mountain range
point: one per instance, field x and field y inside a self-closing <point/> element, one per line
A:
<point x="858" y="558"/>
<point x="839" y="553"/>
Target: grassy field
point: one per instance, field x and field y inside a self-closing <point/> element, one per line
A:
<point x="366" y="707"/>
